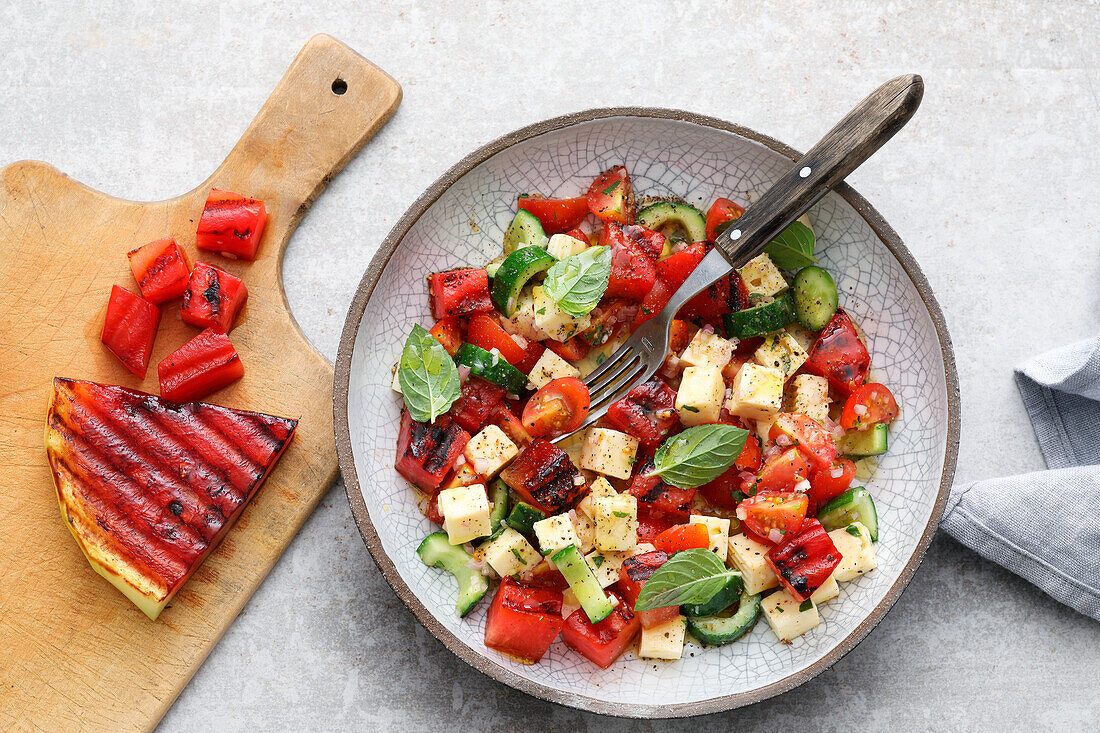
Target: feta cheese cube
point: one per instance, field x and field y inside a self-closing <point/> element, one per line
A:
<point x="606" y="565"/>
<point x="856" y="551"/>
<point x="510" y="553"/>
<point x="762" y="277"/>
<point x="563" y="245"/>
<point x="395" y="385"/>
<point x="780" y="351"/>
<point x="809" y="394"/>
<point x="599" y="487"/>
<point x="616" y="522"/>
<point x="609" y="452"/>
<point x="719" y="530"/>
<point x="664" y="641"/>
<point x="757" y="392"/>
<point x="748" y="556"/>
<point x="699" y="399"/>
<point x="781" y="609"/>
<point x="554" y="533"/>
<point x="585" y="527"/>
<point x="553" y="321"/>
<point x="707" y="349"/>
<point x="804" y="337"/>
<point x="642" y="548"/>
<point x="549" y="367"/>
<point x="827" y="591"/>
<point x="465" y="511"/>
<point x="763" y="430"/>
<point x="522" y="320"/>
<point x="489" y="451"/>
<point x="569" y="603"/>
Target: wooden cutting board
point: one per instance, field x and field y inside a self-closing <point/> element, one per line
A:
<point x="74" y="653"/>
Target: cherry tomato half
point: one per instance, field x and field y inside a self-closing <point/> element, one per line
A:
<point x="783" y="472"/>
<point x="831" y="482"/>
<point x="721" y="213"/>
<point x="683" y="537"/>
<point x="808" y="435"/>
<point x="559" y="407"/>
<point x="870" y="404"/>
<point x="556" y="215"/>
<point x="772" y="516"/>
<point x="611" y="196"/>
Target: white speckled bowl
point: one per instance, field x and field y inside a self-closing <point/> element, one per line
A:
<point x="461" y="220"/>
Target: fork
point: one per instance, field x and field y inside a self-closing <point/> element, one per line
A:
<point x="862" y="131"/>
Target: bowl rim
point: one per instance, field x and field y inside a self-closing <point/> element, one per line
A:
<point x="485" y="664"/>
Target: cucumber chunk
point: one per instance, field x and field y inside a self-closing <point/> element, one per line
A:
<point x="675" y="220"/>
<point x="513" y="274"/>
<point x="494" y="265"/>
<point x="854" y="505"/>
<point x="594" y="602"/>
<point x="815" y="297"/>
<point x="437" y="551"/>
<point x="721" y="601"/>
<point x="859" y="443"/>
<point x="762" y="319"/>
<point x="523" y="517"/>
<point x="721" y="630"/>
<point x="492" y="367"/>
<point x="524" y="231"/>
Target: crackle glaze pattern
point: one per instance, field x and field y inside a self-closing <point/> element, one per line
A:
<point x="695" y="162"/>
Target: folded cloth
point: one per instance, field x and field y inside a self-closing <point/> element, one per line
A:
<point x="1059" y="550"/>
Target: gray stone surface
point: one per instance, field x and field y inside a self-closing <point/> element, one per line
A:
<point x="993" y="186"/>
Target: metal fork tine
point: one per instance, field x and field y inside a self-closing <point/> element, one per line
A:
<point x="612" y="377"/>
<point x="623" y="384"/>
<point x="616" y="359"/>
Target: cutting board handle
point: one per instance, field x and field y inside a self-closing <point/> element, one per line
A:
<point x="327" y="105"/>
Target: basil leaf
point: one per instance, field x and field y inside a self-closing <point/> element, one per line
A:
<point x="793" y="248"/>
<point x="577" y="283"/>
<point x="691" y="576"/>
<point x="428" y="376"/>
<point x="698" y="455"/>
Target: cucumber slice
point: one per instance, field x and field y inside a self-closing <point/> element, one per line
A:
<point x="437" y="551"/>
<point x="594" y="602"/>
<point x="490" y="366"/>
<point x="859" y="443"/>
<point x="721" y="630"/>
<point x="523" y="517"/>
<point x="761" y="319"/>
<point x="524" y="231"/>
<point x="815" y="298"/>
<point x="675" y="220"/>
<point x="854" y="505"/>
<point x="513" y="274"/>
<point x="721" y="601"/>
<point x="494" y="265"/>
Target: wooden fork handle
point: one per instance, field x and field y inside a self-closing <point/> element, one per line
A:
<point x="862" y="131"/>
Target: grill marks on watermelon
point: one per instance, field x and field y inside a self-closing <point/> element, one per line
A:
<point x="543" y="475"/>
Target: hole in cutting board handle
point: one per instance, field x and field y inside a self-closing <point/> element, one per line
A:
<point x="339" y="86"/>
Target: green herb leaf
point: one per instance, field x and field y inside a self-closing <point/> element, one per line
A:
<point x="698" y="455"/>
<point x="690" y="577"/>
<point x="853" y="530"/>
<point x="519" y="556"/>
<point x="611" y="189"/>
<point x="806" y="605"/>
<point x="793" y="248"/>
<point x="621" y="515"/>
<point x="428" y="376"/>
<point x="577" y="283"/>
<point x="597" y="561"/>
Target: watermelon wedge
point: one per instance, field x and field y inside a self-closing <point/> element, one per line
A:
<point x="149" y="487"/>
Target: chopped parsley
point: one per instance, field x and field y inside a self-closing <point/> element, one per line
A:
<point x="541" y="311"/>
<point x="611" y="189"/>
<point x="621" y="515"/>
<point x="691" y="408"/>
<point x="597" y="560"/>
<point x="806" y="605"/>
<point x="519" y="555"/>
<point x="852" y="530"/>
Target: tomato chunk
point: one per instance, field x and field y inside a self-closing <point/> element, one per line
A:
<point x="808" y="435"/>
<point x="675" y="268"/>
<point x="633" y="272"/>
<point x="870" y="404"/>
<point x="231" y="225"/>
<point x="448" y="332"/>
<point x="647" y="413"/>
<point x="608" y="318"/>
<point x="604" y="642"/>
<point x="683" y="537"/>
<point x="573" y="349"/>
<point x="543" y="475"/>
<point x="557" y="216"/>
<point x="476" y="404"/>
<point x="652" y="522"/>
<point x="611" y="196"/>
<point x="201" y="366"/>
<point x="654" y="302"/>
<point x="784" y="472"/>
<point x="805" y="560"/>
<point x="725" y="491"/>
<point x="505" y="418"/>
<point x="427" y="451"/>
<point x="523" y="620"/>
<point x="213" y="298"/>
<point x="559" y="407"/>
<point x="464" y="475"/>
<point x="773" y="515"/>
<point x="647" y="241"/>
<point x="485" y="331"/>
<point x="459" y="292"/>
<point x="839" y="355"/>
<point x="653" y="493"/>
<point x="130" y="329"/>
<point x="633" y="576"/>
<point x="160" y="269"/>
<point x="831" y="482"/>
<point x="578" y="234"/>
<point x="720" y="214"/>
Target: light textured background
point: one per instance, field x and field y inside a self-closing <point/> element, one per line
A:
<point x="994" y="187"/>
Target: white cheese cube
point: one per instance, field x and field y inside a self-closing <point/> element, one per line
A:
<point x="809" y="395"/>
<point x="599" y="487"/>
<point x="569" y="603"/>
<point x="719" y="529"/>
<point x="748" y="556"/>
<point x="763" y="430"/>
<point x="585" y="527"/>
<point x="552" y="320"/>
<point x="856" y="551"/>
<point x="395" y="385"/>
<point x="665" y="641"/>
<point x="554" y="533"/>
<point x="827" y="591"/>
<point x="699" y="399"/>
<point x="616" y="522"/>
<point x="489" y="451"/>
<point x="563" y="245"/>
<point x="606" y="565"/>
<point x="781" y="351"/>
<point x="757" y="392"/>
<point x="609" y="452"/>
<point x="510" y="553"/>
<point x="642" y="548"/>
<point x="549" y="367"/>
<point x="522" y="320"/>
<point x="762" y="277"/>
<point x="781" y="609"/>
<point x="801" y="335"/>
<point x="707" y="349"/>
<point x="465" y="511"/>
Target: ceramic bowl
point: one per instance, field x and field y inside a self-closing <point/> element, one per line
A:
<point x="460" y="220"/>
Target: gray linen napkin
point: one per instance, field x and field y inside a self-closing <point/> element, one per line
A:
<point x="1058" y="550"/>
